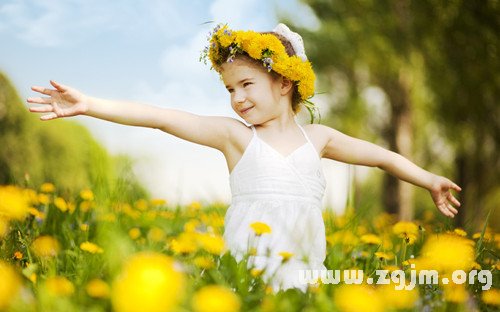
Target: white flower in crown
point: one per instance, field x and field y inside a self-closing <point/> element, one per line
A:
<point x="294" y="38"/>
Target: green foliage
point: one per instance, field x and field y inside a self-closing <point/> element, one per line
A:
<point x="60" y="151"/>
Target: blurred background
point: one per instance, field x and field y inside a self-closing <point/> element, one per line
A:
<point x="417" y="77"/>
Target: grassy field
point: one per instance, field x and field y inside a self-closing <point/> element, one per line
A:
<point x="88" y="254"/>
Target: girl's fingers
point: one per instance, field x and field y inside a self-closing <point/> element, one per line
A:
<point x="452" y="209"/>
<point x="40" y="100"/>
<point x="49" y="116"/>
<point x="453" y="200"/>
<point x="42" y="90"/>
<point x="58" y="86"/>
<point x="455" y="187"/>
<point x="41" y="109"/>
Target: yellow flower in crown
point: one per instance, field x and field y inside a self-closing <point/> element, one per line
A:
<point x="225" y="44"/>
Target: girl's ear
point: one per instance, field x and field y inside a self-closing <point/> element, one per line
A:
<point x="286" y="85"/>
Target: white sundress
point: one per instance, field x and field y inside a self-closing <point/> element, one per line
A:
<point x="285" y="192"/>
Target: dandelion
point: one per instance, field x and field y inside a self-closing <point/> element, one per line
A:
<point x="406" y="230"/>
<point x="398" y="299"/>
<point x="10" y="285"/>
<point x="91" y="248"/>
<point x="47" y="188"/>
<point x="460" y="232"/>
<point x="384" y="256"/>
<point x="148" y="282"/>
<point x="156" y="234"/>
<point x="256" y="272"/>
<point x="455" y="293"/>
<point x="46" y="246"/>
<point x="491" y="297"/>
<point x="448" y="252"/>
<point x="260" y="228"/>
<point x="358" y="298"/>
<point x="184" y="243"/>
<point x="214" y="244"/>
<point x="370" y="239"/>
<point x="141" y="204"/>
<point x="43" y="199"/>
<point x="97" y="288"/>
<point x="84" y="227"/>
<point x="134" y="233"/>
<point x="61" y="204"/>
<point x="87" y="195"/>
<point x="14" y="203"/>
<point x="204" y="262"/>
<point x="215" y="298"/>
<point x="59" y="286"/>
<point x="285" y="256"/>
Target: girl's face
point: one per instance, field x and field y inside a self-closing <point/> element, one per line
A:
<point x="255" y="94"/>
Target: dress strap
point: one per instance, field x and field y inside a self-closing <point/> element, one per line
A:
<point x="254" y="131"/>
<point x="304" y="132"/>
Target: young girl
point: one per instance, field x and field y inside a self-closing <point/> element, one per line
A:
<point x="276" y="177"/>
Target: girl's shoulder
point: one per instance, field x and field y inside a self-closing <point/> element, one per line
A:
<point x="318" y="135"/>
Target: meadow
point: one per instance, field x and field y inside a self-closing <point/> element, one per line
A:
<point x="82" y="253"/>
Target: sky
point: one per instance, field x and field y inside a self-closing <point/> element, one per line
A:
<point x="147" y="52"/>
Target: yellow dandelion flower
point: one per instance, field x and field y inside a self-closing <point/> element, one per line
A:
<point x="141" y="204"/>
<point x="256" y="272"/>
<point x="491" y="297"/>
<point x="43" y="199"/>
<point x="371" y="239"/>
<point x="214" y="244"/>
<point x="46" y="246"/>
<point x="148" y="282"/>
<point x="134" y="233"/>
<point x="33" y="278"/>
<point x="215" y="298"/>
<point x="252" y="251"/>
<point x="91" y="248"/>
<point x="185" y="243"/>
<point x="14" y="203"/>
<point x="61" y="204"/>
<point x="347" y="298"/>
<point x="204" y="262"/>
<point x="407" y="230"/>
<point x="10" y="285"/>
<point x="448" y="252"/>
<point x="84" y="227"/>
<point x="460" y="232"/>
<point x="87" y="194"/>
<point x="59" y="286"/>
<point x="455" y="293"/>
<point x="384" y="256"/>
<point x="158" y="202"/>
<point x="260" y="228"/>
<point x="397" y="299"/>
<point x="97" y="288"/>
<point x="47" y="188"/>
<point x="191" y="225"/>
<point x="285" y="255"/>
<point x="156" y="234"/>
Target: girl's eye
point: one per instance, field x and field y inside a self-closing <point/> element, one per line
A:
<point x="247" y="84"/>
<point x="230" y="90"/>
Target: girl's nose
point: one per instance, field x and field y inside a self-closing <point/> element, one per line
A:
<point x="238" y="96"/>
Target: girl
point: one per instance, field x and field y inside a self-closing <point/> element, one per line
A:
<point x="276" y="178"/>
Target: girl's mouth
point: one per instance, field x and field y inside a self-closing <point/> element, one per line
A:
<point x="246" y="110"/>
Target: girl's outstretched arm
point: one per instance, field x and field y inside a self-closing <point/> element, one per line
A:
<point x="65" y="101"/>
<point x="344" y="148"/>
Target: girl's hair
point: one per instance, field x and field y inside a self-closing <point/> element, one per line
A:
<point x="296" y="99"/>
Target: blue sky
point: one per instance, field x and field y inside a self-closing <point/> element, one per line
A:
<point x="145" y="51"/>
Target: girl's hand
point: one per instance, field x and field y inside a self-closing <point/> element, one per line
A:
<point x="61" y="102"/>
<point x="440" y="192"/>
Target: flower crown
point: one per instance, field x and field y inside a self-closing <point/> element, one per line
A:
<point x="225" y="44"/>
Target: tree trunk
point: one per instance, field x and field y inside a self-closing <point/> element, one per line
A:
<point x="398" y="195"/>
